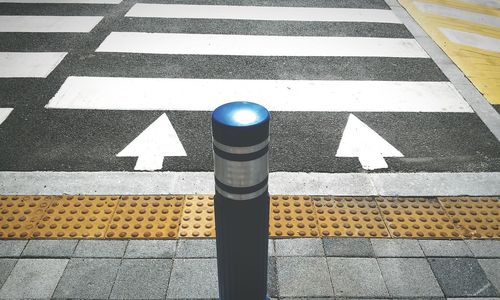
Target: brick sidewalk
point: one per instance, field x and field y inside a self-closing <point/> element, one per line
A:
<point x="309" y="268"/>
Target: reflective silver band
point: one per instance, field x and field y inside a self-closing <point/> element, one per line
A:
<point x="241" y="150"/>
<point x="241" y="173"/>
<point x="241" y="196"/>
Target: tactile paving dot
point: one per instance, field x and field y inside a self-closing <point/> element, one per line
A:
<point x="474" y="217"/>
<point x="198" y="218"/>
<point x="349" y="216"/>
<point x="146" y="217"/>
<point x="416" y="218"/>
<point x="292" y="216"/>
<point x="76" y="217"/>
<point x="19" y="215"/>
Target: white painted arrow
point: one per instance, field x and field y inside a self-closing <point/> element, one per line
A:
<point x="155" y="142"/>
<point x="4" y="113"/>
<point x="359" y="140"/>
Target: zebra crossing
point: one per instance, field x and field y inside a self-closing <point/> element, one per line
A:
<point x="349" y="87"/>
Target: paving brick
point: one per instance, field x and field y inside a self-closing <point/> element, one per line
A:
<point x="445" y="248"/>
<point x="50" y="248"/>
<point x="349" y="247"/>
<point x="196" y="248"/>
<point x="98" y="249"/>
<point x="11" y="248"/>
<point x="150" y="249"/>
<point x="193" y="279"/>
<point x="409" y="277"/>
<point x="299" y="247"/>
<point x="142" y="279"/>
<point x="88" y="278"/>
<point x="396" y="248"/>
<point x="492" y="269"/>
<point x="271" y="248"/>
<point x="33" y="278"/>
<point x="461" y="277"/>
<point x="356" y="277"/>
<point x="303" y="277"/>
<point x="6" y="266"/>
<point x="272" y="278"/>
<point x="484" y="248"/>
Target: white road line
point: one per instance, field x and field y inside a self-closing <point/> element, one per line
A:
<point x="116" y="93"/>
<point x="262" y="13"/>
<point x="48" y="23"/>
<point x="472" y="39"/>
<point x="489" y="3"/>
<point x="64" y="1"/>
<point x="455" y="13"/>
<point x="295" y="183"/>
<point x="4" y="113"/>
<point x="29" y="64"/>
<point x="259" y="45"/>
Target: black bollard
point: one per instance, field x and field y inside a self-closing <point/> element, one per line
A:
<point x="241" y="141"/>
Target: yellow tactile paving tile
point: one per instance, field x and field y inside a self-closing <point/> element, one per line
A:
<point x="19" y="215"/>
<point x="480" y="64"/>
<point x="292" y="216"/>
<point x="349" y="216"/>
<point x="198" y="217"/>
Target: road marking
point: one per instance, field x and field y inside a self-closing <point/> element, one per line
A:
<point x="4" y="113"/>
<point x="48" y="23"/>
<point x="472" y="39"/>
<point x="116" y="93"/>
<point x="64" y="1"/>
<point x="446" y="11"/>
<point x="182" y="11"/>
<point x="29" y="64"/>
<point x="489" y="3"/>
<point x="259" y="45"/>
<point x="359" y="140"/>
<point x="280" y="183"/>
<point x="155" y="142"/>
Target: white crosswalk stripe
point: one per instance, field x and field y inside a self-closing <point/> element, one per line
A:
<point x="48" y="23"/>
<point x="29" y="64"/>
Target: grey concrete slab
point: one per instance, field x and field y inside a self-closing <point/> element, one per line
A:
<point x="196" y="248"/>
<point x="409" y="277"/>
<point x="271" y="248"/>
<point x="461" y="277"/>
<point x="272" y="278"/>
<point x="200" y="271"/>
<point x="142" y="279"/>
<point x="33" y="278"/>
<point x="396" y="248"/>
<point x="356" y="277"/>
<point x="484" y="248"/>
<point x="12" y="248"/>
<point x="304" y="277"/>
<point x="97" y="249"/>
<point x="492" y="269"/>
<point x="50" y="248"/>
<point x="354" y="247"/>
<point x="445" y="248"/>
<point x="150" y="249"/>
<point x="87" y="278"/>
<point x="6" y="266"/>
<point x="299" y="247"/>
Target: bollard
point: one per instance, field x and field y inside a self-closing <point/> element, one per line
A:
<point x="240" y="133"/>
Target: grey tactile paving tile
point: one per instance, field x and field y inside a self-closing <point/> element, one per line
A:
<point x="356" y="277"/>
<point x="492" y="269"/>
<point x="6" y="266"/>
<point x="303" y="277"/>
<point x="199" y="272"/>
<point x="484" y="248"/>
<point x="299" y="247"/>
<point x="461" y="277"/>
<point x="87" y="278"/>
<point x="445" y="248"/>
<point x="33" y="278"/>
<point x="401" y="276"/>
<point x="396" y="248"/>
<point x="49" y="248"/>
<point x="142" y="279"/>
<point x="188" y="248"/>
<point x="11" y="248"/>
<point x="348" y="247"/>
<point x="150" y="249"/>
<point x="97" y="249"/>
